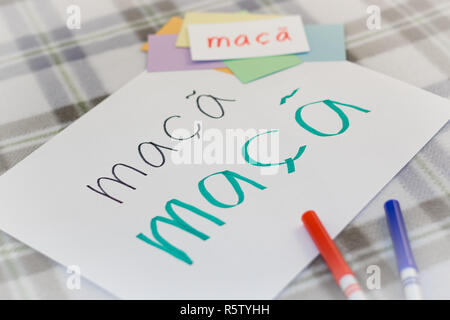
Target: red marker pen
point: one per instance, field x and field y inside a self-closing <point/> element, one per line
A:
<point x="342" y="273"/>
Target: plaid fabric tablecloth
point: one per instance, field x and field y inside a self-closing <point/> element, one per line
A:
<point x="51" y="75"/>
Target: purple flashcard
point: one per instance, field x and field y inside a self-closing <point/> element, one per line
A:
<point x="163" y="55"/>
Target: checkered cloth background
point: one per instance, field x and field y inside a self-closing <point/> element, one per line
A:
<point x="51" y="75"/>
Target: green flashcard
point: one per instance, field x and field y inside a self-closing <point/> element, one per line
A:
<point x="251" y="69"/>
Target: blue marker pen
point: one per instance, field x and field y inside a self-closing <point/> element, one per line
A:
<point x="409" y="274"/>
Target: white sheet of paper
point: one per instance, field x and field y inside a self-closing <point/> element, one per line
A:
<point x="262" y="245"/>
<point x="258" y="38"/>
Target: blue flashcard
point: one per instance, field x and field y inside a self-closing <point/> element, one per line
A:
<point x="327" y="43"/>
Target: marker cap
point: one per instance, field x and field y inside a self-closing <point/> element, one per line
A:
<point x="399" y="235"/>
<point x="325" y="245"/>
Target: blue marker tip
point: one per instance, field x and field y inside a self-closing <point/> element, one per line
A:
<point x="399" y="236"/>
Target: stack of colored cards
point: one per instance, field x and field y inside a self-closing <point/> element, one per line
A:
<point x="250" y="46"/>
